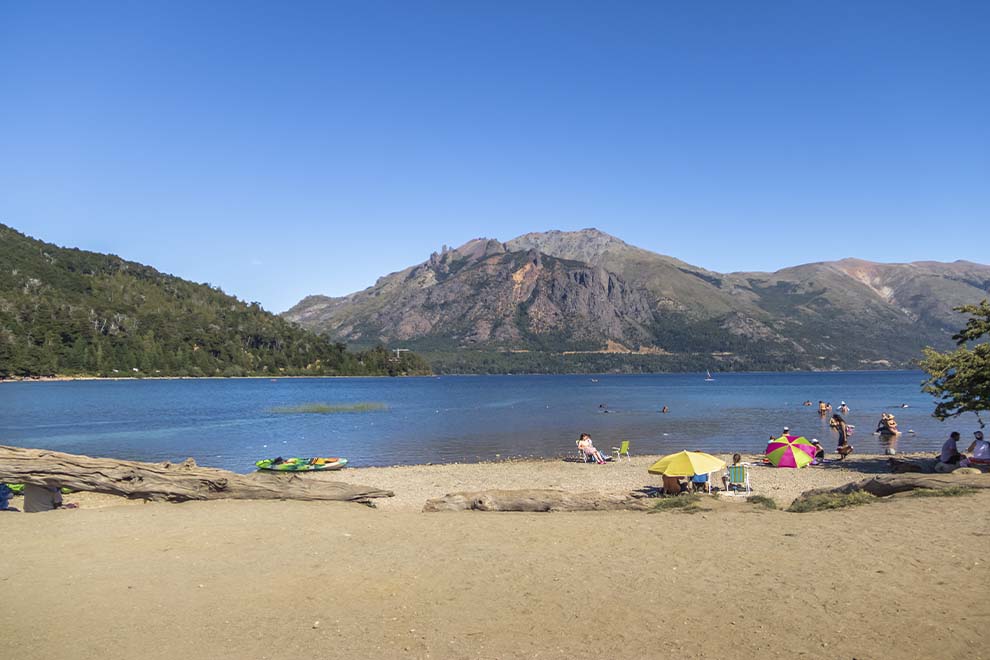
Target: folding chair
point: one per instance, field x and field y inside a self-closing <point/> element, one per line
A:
<point x="622" y="450"/>
<point x="738" y="476"/>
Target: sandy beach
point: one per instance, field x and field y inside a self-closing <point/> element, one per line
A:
<point x="905" y="578"/>
<point x="413" y="485"/>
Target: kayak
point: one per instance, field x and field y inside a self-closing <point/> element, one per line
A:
<point x="301" y="464"/>
<point x="18" y="489"/>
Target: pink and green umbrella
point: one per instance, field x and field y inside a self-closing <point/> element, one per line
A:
<point x="790" y="451"/>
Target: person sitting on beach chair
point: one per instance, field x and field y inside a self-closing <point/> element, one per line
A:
<point x="736" y="476"/>
<point x="673" y="485"/>
<point x="586" y="447"/>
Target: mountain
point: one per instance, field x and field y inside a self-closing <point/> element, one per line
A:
<point x="71" y="312"/>
<point x="587" y="301"/>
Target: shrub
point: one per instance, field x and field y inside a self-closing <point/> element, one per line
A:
<point x="827" y="501"/>
<point x="950" y="491"/>
<point x="679" y="503"/>
<point x="762" y="501"/>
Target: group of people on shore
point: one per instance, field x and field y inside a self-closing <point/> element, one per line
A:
<point x="978" y="451"/>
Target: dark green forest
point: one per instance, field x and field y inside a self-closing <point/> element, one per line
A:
<point x="69" y="312"/>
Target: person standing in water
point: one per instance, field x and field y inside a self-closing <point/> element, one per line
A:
<point x="843" y="447"/>
<point x="887" y="428"/>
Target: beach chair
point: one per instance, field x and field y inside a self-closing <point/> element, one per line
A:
<point x="700" y="481"/>
<point x="738" y="476"/>
<point x="622" y="450"/>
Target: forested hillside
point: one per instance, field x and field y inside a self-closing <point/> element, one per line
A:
<point x="72" y="312"/>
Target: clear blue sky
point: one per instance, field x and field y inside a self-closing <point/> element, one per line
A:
<point x="282" y="149"/>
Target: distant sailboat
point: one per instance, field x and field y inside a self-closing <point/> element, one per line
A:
<point x="708" y="375"/>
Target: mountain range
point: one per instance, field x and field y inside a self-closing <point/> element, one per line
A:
<point x="587" y="301"/>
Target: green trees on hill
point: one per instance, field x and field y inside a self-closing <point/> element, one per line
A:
<point x="72" y="312"/>
<point x="960" y="380"/>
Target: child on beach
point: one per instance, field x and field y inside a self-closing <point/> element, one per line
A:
<point x="819" y="457"/>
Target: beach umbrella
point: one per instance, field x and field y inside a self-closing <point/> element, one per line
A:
<point x="687" y="464"/>
<point x="790" y="451"/>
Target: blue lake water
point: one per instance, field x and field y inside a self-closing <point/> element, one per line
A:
<point x="230" y="423"/>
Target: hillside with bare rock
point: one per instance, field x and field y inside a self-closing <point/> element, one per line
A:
<point x="587" y="301"/>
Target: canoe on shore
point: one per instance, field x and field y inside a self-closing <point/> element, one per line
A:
<point x="300" y="464"/>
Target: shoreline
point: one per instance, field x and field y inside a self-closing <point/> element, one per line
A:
<point x="63" y="379"/>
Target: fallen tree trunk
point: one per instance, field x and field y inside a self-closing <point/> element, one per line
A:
<point x="891" y="484"/>
<point x="167" y="481"/>
<point x="900" y="465"/>
<point x="538" y="500"/>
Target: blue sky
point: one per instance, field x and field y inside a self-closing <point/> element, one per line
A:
<point x="282" y="149"/>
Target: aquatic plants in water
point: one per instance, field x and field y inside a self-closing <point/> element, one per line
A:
<point x="330" y="408"/>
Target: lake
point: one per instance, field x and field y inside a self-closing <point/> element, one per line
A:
<point x="230" y="423"/>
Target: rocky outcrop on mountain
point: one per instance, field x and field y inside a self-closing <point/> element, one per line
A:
<point x="586" y="293"/>
<point x="483" y="294"/>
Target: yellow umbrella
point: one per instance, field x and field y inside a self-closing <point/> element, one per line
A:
<point x="687" y="464"/>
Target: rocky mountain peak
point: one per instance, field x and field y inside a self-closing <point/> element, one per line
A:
<point x="588" y="245"/>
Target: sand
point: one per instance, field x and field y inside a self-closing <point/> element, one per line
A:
<point x="414" y="484"/>
<point x="904" y="578"/>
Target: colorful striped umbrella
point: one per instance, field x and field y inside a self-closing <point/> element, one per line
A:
<point x="790" y="451"/>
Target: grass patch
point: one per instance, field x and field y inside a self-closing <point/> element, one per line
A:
<point x="951" y="491"/>
<point x="827" y="501"/>
<point x="679" y="503"/>
<point x="330" y="408"/>
<point x="762" y="501"/>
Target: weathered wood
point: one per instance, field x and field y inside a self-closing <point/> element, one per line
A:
<point x="901" y="466"/>
<point x="537" y="500"/>
<point x="167" y="481"/>
<point x="890" y="484"/>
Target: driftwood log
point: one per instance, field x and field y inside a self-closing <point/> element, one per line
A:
<point x="891" y="484"/>
<point x="169" y="482"/>
<point x="538" y="500"/>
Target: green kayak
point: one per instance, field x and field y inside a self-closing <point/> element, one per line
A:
<point x="300" y="464"/>
<point x="18" y="489"/>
